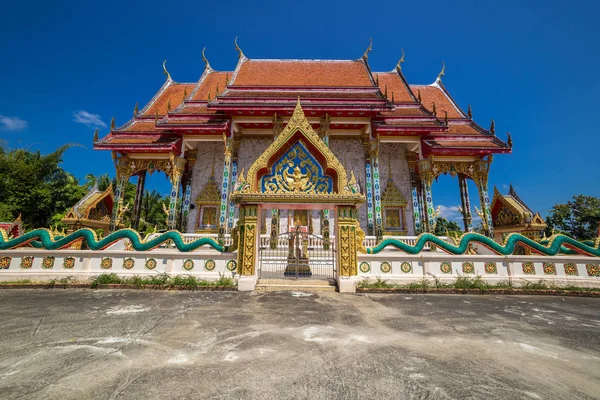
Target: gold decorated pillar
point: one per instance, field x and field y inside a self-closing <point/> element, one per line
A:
<point x="346" y="236"/>
<point x="248" y="236"/>
<point x="122" y="167"/>
<point x="482" y="169"/>
<point x="178" y="166"/>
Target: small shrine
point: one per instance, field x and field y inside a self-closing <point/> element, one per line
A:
<point x="207" y="204"/>
<point x="510" y="214"/>
<point x="93" y="211"/>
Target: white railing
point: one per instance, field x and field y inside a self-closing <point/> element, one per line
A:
<point x="190" y="237"/>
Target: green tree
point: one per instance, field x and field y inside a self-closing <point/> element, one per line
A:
<point x="35" y="186"/>
<point x="443" y="227"/>
<point x="577" y="218"/>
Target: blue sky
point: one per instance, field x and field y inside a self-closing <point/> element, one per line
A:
<point x="530" y="65"/>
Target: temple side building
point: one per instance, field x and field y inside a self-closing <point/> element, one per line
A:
<point x="392" y="137"/>
<point x="510" y="214"/>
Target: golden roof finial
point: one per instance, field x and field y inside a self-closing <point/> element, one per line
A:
<point x="446" y="117"/>
<point x="165" y="71"/>
<point x="368" y="50"/>
<point x="493" y="127"/>
<point x="96" y="135"/>
<point x="393" y="97"/>
<point x="135" y="110"/>
<point x="227" y="79"/>
<point x="434" y="109"/>
<point x="184" y="94"/>
<point x="442" y="72"/>
<point x="419" y="95"/>
<point x="399" y="65"/>
<point x="156" y="116"/>
<point x="205" y="60"/>
<point x="509" y="140"/>
<point x="209" y="95"/>
<point x="112" y="124"/>
<point x="217" y="90"/>
<point x="470" y="112"/>
<point x="169" y="105"/>
<point x="237" y="47"/>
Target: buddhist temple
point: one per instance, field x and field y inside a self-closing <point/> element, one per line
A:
<point x="390" y="139"/>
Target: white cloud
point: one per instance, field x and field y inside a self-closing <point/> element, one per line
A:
<point x="12" y="123"/>
<point x="88" y="119"/>
<point x="450" y="213"/>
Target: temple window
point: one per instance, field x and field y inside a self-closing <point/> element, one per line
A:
<point x="207" y="203"/>
<point x="394" y="210"/>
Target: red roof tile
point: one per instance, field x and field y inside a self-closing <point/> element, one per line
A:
<point x="174" y="94"/>
<point x="210" y="83"/>
<point x="302" y="73"/>
<point x="394" y="85"/>
<point x="434" y="94"/>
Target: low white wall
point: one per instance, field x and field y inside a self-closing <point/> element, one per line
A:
<point x="559" y="270"/>
<point x="83" y="264"/>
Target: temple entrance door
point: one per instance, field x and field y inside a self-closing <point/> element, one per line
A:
<point x="296" y="254"/>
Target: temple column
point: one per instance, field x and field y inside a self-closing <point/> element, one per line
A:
<point x="427" y="175"/>
<point x="187" y="196"/>
<point x="122" y="168"/>
<point x="416" y="209"/>
<point x="139" y="196"/>
<point x="225" y="189"/>
<point x="247" y="246"/>
<point x="376" y="191"/>
<point x="412" y="165"/>
<point x="369" y="184"/>
<point x="176" y="175"/>
<point x="465" y="203"/>
<point x="346" y="237"/>
<point x="486" y="217"/>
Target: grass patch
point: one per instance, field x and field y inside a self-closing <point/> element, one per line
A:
<point x="161" y="280"/>
<point x="17" y="282"/>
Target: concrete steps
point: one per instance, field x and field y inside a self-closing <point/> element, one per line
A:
<point x="297" y="285"/>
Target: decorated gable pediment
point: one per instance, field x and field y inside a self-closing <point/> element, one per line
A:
<point x="298" y="166"/>
<point x="210" y="193"/>
<point x="392" y="195"/>
<point x="296" y="171"/>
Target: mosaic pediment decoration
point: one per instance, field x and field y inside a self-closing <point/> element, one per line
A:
<point x="297" y="171"/>
<point x="297" y="164"/>
<point x="511" y="214"/>
<point x="392" y="195"/>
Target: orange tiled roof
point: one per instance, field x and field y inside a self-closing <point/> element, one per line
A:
<point x="302" y="73"/>
<point x="140" y="140"/>
<point x="139" y="126"/>
<point x="463" y="129"/>
<point x="394" y="85"/>
<point x="405" y="112"/>
<point x="434" y="94"/>
<point x="210" y="83"/>
<point x="173" y="93"/>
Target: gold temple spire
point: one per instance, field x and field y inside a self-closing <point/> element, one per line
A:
<point x="96" y="135"/>
<point x="368" y="50"/>
<point x="509" y="140"/>
<point x="493" y="127"/>
<point x="169" y="105"/>
<point x="470" y="112"/>
<point x="164" y="65"/>
<point x="184" y="94"/>
<point x="237" y="47"/>
<point x="399" y="65"/>
<point x="446" y="117"/>
<point x="135" y="110"/>
<point x="442" y="72"/>
<point x="205" y="59"/>
<point x="156" y="116"/>
<point x="434" y="109"/>
<point x="112" y="124"/>
<point x="419" y="96"/>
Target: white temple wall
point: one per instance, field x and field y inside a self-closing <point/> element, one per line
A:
<point x="395" y="153"/>
<point x="351" y="154"/>
<point x="209" y="153"/>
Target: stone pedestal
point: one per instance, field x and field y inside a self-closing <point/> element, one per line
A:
<point x="246" y="283"/>
<point x="347" y="284"/>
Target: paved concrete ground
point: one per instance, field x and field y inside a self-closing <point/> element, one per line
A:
<point x="104" y="344"/>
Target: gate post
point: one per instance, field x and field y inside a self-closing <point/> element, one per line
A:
<point x="345" y="238"/>
<point x="247" y="248"/>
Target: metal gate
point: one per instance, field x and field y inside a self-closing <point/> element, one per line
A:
<point x="296" y="254"/>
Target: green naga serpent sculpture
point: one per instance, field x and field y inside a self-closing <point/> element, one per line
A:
<point x="551" y="247"/>
<point x="43" y="238"/>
